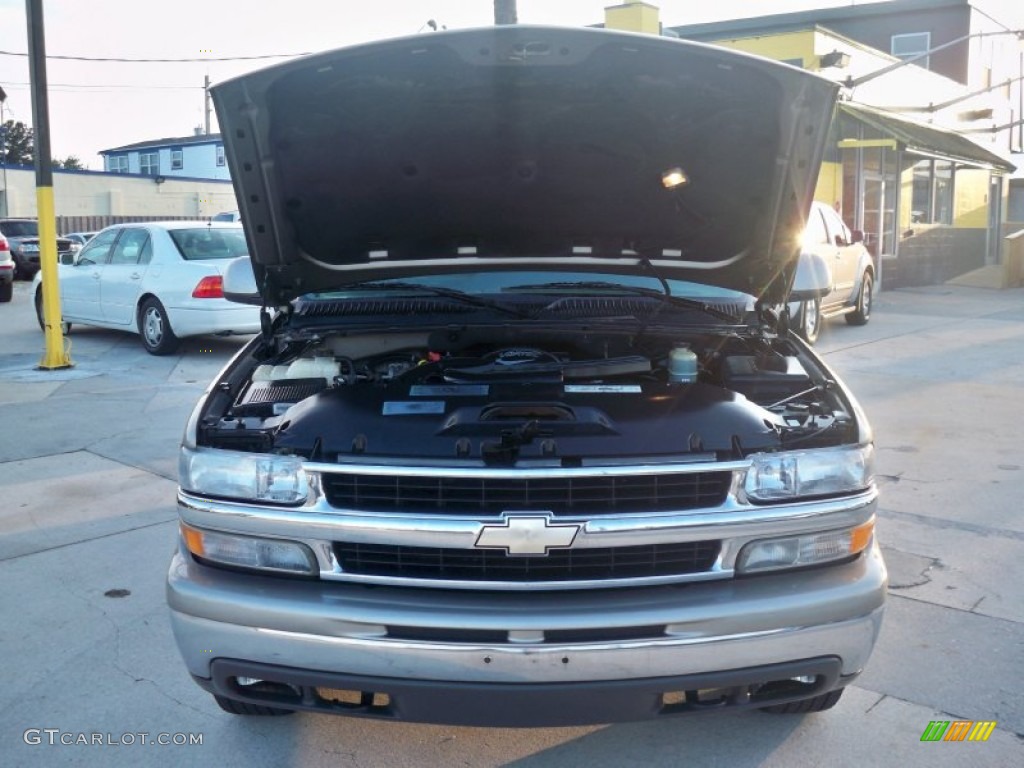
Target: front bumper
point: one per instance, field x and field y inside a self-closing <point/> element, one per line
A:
<point x="749" y="637"/>
<point x="523" y="704"/>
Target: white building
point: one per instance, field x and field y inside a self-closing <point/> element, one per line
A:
<point x="192" y="157"/>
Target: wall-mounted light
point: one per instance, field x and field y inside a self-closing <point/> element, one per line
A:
<point x="159" y="179"/>
<point x="836" y="59"/>
<point x="674" y="177"/>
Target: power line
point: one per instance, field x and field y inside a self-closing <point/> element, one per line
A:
<point x="21" y="86"/>
<point x="167" y="61"/>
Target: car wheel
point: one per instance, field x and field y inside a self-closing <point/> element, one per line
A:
<point x="810" y="320"/>
<point x="6" y="292"/>
<point x="65" y="328"/>
<point x="805" y="706"/>
<point x="862" y="313"/>
<point x="155" y="328"/>
<point x="236" y="707"/>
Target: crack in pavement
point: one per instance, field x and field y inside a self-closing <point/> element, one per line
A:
<point x="966" y="611"/>
<point x="945" y="522"/>
<point x="172" y="518"/>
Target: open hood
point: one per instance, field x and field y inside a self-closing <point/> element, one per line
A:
<point x="525" y="147"/>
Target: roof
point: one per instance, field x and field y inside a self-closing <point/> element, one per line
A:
<point x="817" y="17"/>
<point x="929" y="139"/>
<point x="205" y="138"/>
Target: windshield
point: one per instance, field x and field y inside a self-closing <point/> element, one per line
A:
<point x="545" y="282"/>
<point x="208" y="243"/>
<point x="20" y="229"/>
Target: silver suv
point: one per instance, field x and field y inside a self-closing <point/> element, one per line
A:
<point x="850" y="269"/>
<point x="525" y="439"/>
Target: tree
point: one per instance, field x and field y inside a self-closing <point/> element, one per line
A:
<point x="69" y="163"/>
<point x="18" y="144"/>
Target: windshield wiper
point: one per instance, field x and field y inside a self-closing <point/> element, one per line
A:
<point x="679" y="301"/>
<point x="433" y="290"/>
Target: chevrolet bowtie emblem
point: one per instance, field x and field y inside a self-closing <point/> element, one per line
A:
<point x="522" y="535"/>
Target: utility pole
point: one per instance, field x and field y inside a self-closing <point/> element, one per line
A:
<point x="55" y="356"/>
<point x="206" y="103"/>
<point x="505" y="12"/>
<point x="3" y="149"/>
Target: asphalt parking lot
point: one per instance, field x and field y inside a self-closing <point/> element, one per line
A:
<point x="87" y="524"/>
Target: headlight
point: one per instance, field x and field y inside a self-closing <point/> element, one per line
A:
<point x="250" y="476"/>
<point x="797" y="474"/>
<point x="809" y="549"/>
<point x="277" y="555"/>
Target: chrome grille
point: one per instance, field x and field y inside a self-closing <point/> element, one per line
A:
<point x="448" y="564"/>
<point x="577" y="495"/>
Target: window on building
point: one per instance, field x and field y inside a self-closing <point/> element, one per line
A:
<point x="932" y="192"/>
<point x="149" y="163"/>
<point x="943" y="195"/>
<point x="117" y="163"/>
<point x="912" y="44"/>
<point x="177" y="159"/>
<point x="921" y="197"/>
<point x="220" y="154"/>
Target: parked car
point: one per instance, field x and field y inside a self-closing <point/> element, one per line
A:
<point x="79" y="238"/>
<point x="527" y="440"/>
<point x="851" y="269"/>
<point x="6" y="271"/>
<point x="159" y="279"/>
<point x="23" y="239"/>
<point x="227" y="216"/>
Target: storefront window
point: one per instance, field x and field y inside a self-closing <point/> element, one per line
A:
<point x="942" y="212"/>
<point x="921" y="197"/>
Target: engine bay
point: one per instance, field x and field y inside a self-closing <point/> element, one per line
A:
<point x="505" y="396"/>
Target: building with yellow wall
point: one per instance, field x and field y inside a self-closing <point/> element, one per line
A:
<point x="904" y="164"/>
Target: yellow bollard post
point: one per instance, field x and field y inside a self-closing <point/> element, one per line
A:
<point x="55" y="355"/>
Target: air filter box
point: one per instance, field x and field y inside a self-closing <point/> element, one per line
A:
<point x="765" y="380"/>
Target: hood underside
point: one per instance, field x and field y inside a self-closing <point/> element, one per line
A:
<point x="524" y="147"/>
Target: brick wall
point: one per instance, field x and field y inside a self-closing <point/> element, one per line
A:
<point x="933" y="256"/>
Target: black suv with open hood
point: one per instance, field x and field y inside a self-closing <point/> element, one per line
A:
<point x="526" y="438"/>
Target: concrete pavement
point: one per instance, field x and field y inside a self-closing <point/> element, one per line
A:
<point x="87" y="478"/>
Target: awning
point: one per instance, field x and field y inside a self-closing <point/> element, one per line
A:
<point x="929" y="140"/>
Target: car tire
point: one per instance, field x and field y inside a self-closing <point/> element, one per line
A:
<point x="862" y="313"/>
<point x="155" y="329"/>
<point x="6" y="292"/>
<point x="810" y="320"/>
<point x="65" y="328"/>
<point x="236" y="707"/>
<point x="806" y="706"/>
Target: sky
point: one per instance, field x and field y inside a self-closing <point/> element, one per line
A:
<point x="101" y="105"/>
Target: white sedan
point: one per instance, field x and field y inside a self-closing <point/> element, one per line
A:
<point x="162" y="280"/>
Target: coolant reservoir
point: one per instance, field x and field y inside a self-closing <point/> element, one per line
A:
<point x="682" y="365"/>
<point x="314" y="368"/>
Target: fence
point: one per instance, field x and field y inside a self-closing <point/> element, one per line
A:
<point x="66" y="224"/>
